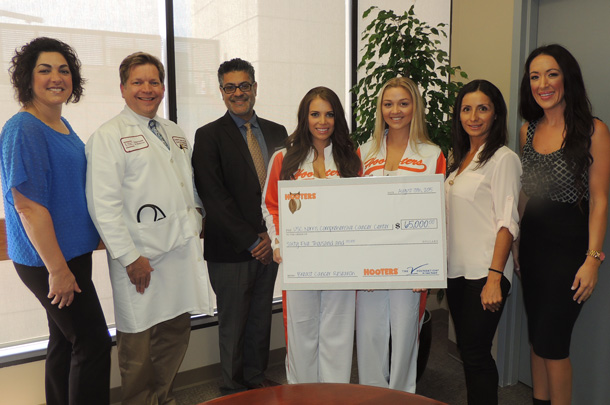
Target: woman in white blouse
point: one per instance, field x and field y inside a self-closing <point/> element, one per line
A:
<point x="482" y="191"/>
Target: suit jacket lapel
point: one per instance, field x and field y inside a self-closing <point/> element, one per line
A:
<point x="235" y="135"/>
<point x="268" y="137"/>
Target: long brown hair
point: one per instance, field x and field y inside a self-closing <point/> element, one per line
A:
<point x="299" y="143"/>
<point x="498" y="133"/>
<point x="578" y="116"/>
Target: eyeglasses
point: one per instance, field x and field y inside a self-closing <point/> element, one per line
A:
<point x="243" y="86"/>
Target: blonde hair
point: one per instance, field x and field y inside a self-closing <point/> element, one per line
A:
<point x="417" y="132"/>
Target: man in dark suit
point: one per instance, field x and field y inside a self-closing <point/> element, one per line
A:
<point x="230" y="158"/>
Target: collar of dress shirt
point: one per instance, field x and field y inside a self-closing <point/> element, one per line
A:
<point x="240" y="121"/>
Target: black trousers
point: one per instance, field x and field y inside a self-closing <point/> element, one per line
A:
<point x="475" y="329"/>
<point x="244" y="292"/>
<point x="77" y="368"/>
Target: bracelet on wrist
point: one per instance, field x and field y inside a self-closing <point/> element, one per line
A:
<point x="496" y="271"/>
<point x="596" y="254"/>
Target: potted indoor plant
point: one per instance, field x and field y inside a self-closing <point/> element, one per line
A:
<point x="402" y="45"/>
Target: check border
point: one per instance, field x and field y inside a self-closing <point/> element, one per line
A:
<point x="330" y="264"/>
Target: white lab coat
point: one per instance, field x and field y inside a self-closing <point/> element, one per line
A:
<point x="142" y="201"/>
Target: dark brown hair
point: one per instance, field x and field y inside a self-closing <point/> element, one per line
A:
<point x="300" y="143"/>
<point x="235" y="65"/>
<point x="498" y="133"/>
<point x="578" y="115"/>
<point x="24" y="62"/>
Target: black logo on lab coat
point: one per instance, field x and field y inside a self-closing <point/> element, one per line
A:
<point x="151" y="212"/>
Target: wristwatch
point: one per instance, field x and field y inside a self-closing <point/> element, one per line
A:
<point x="596" y="255"/>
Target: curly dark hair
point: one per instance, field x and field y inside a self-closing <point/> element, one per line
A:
<point x="24" y="61"/>
<point x="498" y="134"/>
<point x="300" y="142"/>
<point x="235" y="65"/>
<point x="578" y="115"/>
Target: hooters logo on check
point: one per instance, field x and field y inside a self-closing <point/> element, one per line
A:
<point x="381" y="272"/>
<point x="295" y="200"/>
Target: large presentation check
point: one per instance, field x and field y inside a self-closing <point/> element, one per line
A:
<point x="363" y="233"/>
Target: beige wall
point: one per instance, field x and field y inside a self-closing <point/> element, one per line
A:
<point x="481" y="40"/>
<point x="481" y="44"/>
<point x="24" y="384"/>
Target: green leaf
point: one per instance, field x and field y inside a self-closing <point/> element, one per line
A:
<point x="408" y="47"/>
<point x="367" y="12"/>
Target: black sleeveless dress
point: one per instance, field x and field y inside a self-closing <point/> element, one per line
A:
<point x="554" y="240"/>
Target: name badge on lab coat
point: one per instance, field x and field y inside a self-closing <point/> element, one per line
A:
<point x="180" y="142"/>
<point x="133" y="143"/>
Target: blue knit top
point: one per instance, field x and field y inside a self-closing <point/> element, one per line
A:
<point x="47" y="167"/>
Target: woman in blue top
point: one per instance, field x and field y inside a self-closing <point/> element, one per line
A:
<point x="49" y="233"/>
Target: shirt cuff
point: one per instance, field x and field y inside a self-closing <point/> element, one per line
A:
<point x="255" y="244"/>
<point x="508" y="219"/>
<point x="512" y="227"/>
<point x="129" y="258"/>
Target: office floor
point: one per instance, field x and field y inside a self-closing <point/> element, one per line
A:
<point x="443" y="379"/>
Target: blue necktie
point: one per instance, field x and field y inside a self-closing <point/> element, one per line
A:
<point x="152" y="124"/>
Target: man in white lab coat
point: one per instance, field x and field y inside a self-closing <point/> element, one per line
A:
<point x="141" y="198"/>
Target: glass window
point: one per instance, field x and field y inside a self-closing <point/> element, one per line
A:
<point x="102" y="37"/>
<point x="293" y="45"/>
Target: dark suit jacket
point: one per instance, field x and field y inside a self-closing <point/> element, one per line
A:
<point x="227" y="183"/>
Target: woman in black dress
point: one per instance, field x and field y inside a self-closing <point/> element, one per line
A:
<point x="566" y="176"/>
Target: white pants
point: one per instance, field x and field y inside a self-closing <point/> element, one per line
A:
<point x="320" y="329"/>
<point x="379" y="313"/>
